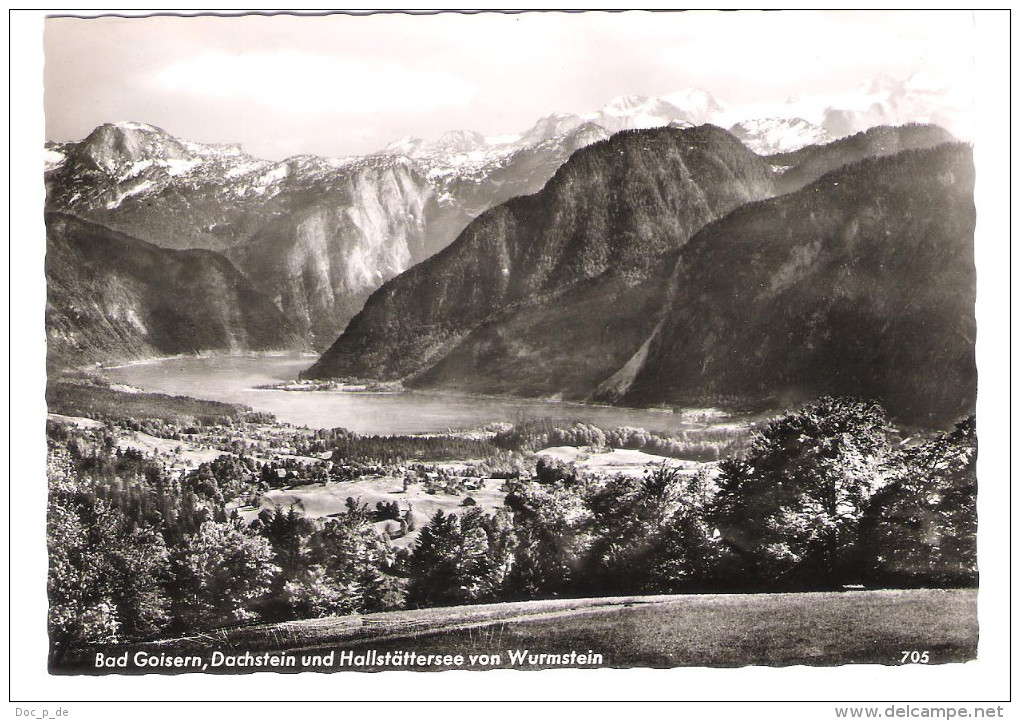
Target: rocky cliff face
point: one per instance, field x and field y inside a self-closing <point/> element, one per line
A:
<point x="111" y="297"/>
<point x="654" y="268"/>
<point x="319" y="263"/>
<point x="488" y="306"/>
<point x="315" y="234"/>
<point x="862" y="283"/>
<point x="318" y="235"/>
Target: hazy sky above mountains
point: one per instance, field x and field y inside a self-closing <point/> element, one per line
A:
<point x="341" y="84"/>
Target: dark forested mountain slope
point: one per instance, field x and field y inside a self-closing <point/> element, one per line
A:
<point x="594" y="244"/>
<point x="861" y="283"/>
<point x="808" y="164"/>
<point x="318" y="235"/>
<point x="112" y="297"/>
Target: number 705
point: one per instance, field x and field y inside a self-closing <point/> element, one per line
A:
<point x="914" y="657"/>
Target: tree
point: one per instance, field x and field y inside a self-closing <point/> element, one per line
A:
<point x="921" y="529"/>
<point x="387" y="510"/>
<point x="221" y="574"/>
<point x="623" y="520"/>
<point x="107" y="577"/>
<point x="315" y="594"/>
<point x="288" y="533"/>
<point x="789" y="510"/>
<point x="81" y="576"/>
<point x="458" y="560"/>
<point x="552" y="530"/>
<point x="357" y="561"/>
<point x="143" y="562"/>
<point x="501" y="541"/>
<point x="551" y="470"/>
<point x="649" y="533"/>
<point x="436" y="566"/>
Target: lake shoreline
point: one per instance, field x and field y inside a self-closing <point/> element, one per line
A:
<point x="268" y="383"/>
<point x="194" y="356"/>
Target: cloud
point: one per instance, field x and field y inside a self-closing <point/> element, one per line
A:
<point x="309" y="83"/>
<point x="756" y="56"/>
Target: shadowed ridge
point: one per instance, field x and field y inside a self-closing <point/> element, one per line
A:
<point x="111" y="297"/>
<point x="607" y="216"/>
<point x="862" y="283"/>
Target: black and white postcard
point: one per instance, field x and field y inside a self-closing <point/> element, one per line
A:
<point x="638" y="351"/>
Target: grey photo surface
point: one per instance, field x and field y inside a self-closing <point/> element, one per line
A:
<point x="425" y="342"/>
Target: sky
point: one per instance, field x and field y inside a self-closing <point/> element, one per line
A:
<point x="341" y="84"/>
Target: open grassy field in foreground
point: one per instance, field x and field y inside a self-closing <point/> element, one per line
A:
<point x="718" y="630"/>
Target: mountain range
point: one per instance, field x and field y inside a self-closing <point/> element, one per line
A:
<point x="675" y="266"/>
<point x="595" y="233"/>
<point x="318" y="235"/>
<point x="861" y="283"/>
<point x="314" y="235"/>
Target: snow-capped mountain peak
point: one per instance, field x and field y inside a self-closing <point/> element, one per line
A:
<point x="625" y="105"/>
<point x="460" y="141"/>
<point x="132" y="126"/>
<point x="698" y="104"/>
<point x="112" y="146"/>
<point x="766" y="136"/>
<point x="628" y="112"/>
<point x="407" y="145"/>
<point x="550" y="126"/>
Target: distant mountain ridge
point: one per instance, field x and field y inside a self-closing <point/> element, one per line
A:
<point x="604" y="221"/>
<point x="861" y="283"/>
<point x="585" y="290"/>
<point x="812" y="162"/>
<point x="316" y="236"/>
<point x="111" y="297"/>
<point x="767" y="136"/>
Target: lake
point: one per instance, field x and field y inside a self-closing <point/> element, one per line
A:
<point x="233" y="379"/>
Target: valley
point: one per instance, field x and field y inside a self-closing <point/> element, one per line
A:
<point x="356" y="531"/>
<point x="283" y="428"/>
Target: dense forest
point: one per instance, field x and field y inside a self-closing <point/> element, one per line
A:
<point x="113" y="297"/>
<point x="821" y="498"/>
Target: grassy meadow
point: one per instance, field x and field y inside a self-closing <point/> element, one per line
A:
<point x="706" y="630"/>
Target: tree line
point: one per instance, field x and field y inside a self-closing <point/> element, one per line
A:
<point x="823" y="498"/>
